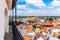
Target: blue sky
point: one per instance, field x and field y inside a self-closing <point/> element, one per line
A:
<point x="38" y="7"/>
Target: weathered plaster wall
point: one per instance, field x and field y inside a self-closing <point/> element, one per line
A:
<point x="2" y="18"/>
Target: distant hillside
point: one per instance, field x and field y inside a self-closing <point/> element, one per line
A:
<point x="35" y="16"/>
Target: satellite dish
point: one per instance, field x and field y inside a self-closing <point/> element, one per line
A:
<point x="47" y="2"/>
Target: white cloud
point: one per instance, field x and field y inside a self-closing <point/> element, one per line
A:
<point x="58" y="9"/>
<point x="55" y="3"/>
<point x="31" y="12"/>
<point x="21" y="6"/>
<point x="39" y="3"/>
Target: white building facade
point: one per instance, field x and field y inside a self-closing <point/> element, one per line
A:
<point x="3" y="19"/>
